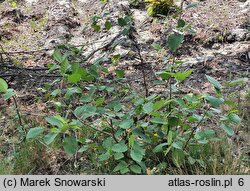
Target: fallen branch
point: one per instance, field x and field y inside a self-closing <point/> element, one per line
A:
<point x="106" y="46"/>
<point x="37" y="75"/>
<point x="18" y="68"/>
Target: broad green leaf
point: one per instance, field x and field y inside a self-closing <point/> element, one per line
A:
<point x="148" y="107"/>
<point x="49" y="138"/>
<point x="34" y="132"/>
<point x="96" y="27"/>
<point x="138" y="101"/>
<point x="57" y="55"/>
<point x="166" y="75"/>
<point x="237" y="81"/>
<point x="9" y="93"/>
<point x="55" y="93"/>
<point x="181" y="23"/>
<point x="57" y="104"/>
<point x="214" y="82"/>
<point x="120" y="73"/>
<point x="128" y="18"/>
<point x="118" y="156"/>
<point x="191" y="160"/>
<point x="88" y="78"/>
<point x="126" y="31"/>
<point x="205" y="134"/>
<point x="120" y="147"/>
<point x="104" y="157"/>
<point x="178" y="157"/>
<point x="55" y="130"/>
<point x="124" y="170"/>
<point x="53" y="67"/>
<point x="229" y="130"/>
<point x="70" y="145"/>
<point x="74" y="78"/>
<point x="177" y="145"/>
<point x="126" y="124"/>
<point x="119" y="132"/>
<point x="136" y="155"/>
<point x="234" y="118"/>
<point x="108" y="25"/>
<point x="3" y="86"/>
<point x="199" y="135"/>
<point x="194" y="118"/>
<point x="159" y="148"/>
<point x="230" y="103"/>
<point x="131" y="140"/>
<point x="85" y="111"/>
<point x="108" y="143"/>
<point x="174" y="41"/>
<point x="197" y="117"/>
<point x="115" y="58"/>
<point x="75" y="67"/>
<point x="95" y="18"/>
<point x="138" y="132"/>
<point x="173" y="121"/>
<point x="204" y="141"/>
<point x="159" y="104"/>
<point x="170" y="137"/>
<point x="82" y="72"/>
<point x="101" y="110"/>
<point x="116" y="105"/>
<point x="156" y="46"/>
<point x="122" y="22"/>
<point x="136" y="169"/>
<point x="216" y="110"/>
<point x="180" y="76"/>
<point x="122" y="167"/>
<point x="83" y="149"/>
<point x="56" y="121"/>
<point x="86" y="98"/>
<point x="209" y="133"/>
<point x="151" y="97"/>
<point x="71" y="91"/>
<point x="65" y="65"/>
<point x="191" y="98"/>
<point x="99" y="101"/>
<point x="215" y="102"/>
<point x="143" y="166"/>
<point x="158" y="120"/>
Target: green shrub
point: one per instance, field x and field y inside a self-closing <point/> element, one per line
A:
<point x="126" y="130"/>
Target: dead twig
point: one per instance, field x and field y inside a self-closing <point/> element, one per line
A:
<point x="17" y="111"/>
<point x="110" y="122"/>
<point x="18" y="68"/>
<point x="106" y="46"/>
<point x="194" y="128"/>
<point x="37" y="75"/>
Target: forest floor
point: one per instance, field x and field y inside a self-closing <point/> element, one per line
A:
<point x="30" y="30"/>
